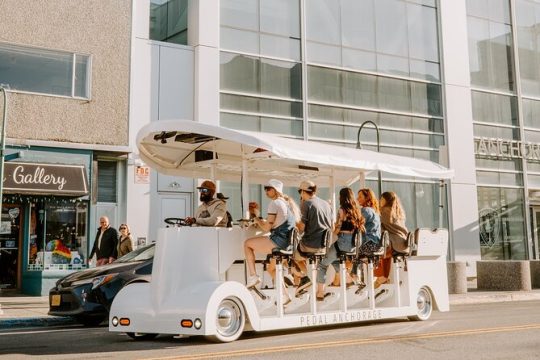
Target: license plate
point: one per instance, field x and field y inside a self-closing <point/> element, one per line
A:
<point x="56" y="300"/>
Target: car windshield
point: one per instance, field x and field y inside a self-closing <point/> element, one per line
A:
<point x="141" y="254"/>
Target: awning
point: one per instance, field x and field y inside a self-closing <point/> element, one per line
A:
<point x="184" y="148"/>
<point x="45" y="179"/>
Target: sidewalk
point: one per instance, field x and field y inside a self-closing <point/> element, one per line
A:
<point x="31" y="311"/>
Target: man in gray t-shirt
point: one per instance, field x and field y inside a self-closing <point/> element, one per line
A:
<point x="317" y="219"/>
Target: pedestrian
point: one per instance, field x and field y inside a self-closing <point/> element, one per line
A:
<point x="125" y="243"/>
<point x="105" y="244"/>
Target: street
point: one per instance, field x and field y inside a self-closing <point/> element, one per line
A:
<point x="483" y="331"/>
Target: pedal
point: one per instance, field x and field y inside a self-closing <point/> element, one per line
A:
<point x="259" y="294"/>
<point x="384" y="291"/>
<point x="300" y="293"/>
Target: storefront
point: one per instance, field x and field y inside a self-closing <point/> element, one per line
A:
<point x="44" y="221"/>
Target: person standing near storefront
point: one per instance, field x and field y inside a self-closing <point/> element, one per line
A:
<point x="105" y="245"/>
<point x="125" y="243"/>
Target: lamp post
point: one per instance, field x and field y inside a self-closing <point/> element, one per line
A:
<point x="3" y="90"/>
<point x="359" y="146"/>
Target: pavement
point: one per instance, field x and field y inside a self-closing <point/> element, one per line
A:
<point x="18" y="310"/>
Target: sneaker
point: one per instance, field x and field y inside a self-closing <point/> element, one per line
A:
<point x="289" y="280"/>
<point x="305" y="282"/>
<point x="253" y="281"/>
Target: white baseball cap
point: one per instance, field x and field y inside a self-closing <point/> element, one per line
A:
<point x="276" y="184"/>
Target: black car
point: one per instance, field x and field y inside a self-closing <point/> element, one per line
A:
<point x="87" y="295"/>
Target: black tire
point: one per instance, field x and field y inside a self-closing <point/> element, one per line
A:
<point x="230" y="320"/>
<point x="424" y="303"/>
<point x="88" y="320"/>
<point x="141" y="336"/>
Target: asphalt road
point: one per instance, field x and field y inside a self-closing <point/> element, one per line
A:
<point x="486" y="331"/>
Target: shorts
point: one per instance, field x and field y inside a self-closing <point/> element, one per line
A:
<point x="279" y="240"/>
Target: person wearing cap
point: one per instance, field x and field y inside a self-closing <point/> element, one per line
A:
<point x="316" y="221"/>
<point x="281" y="220"/>
<point x="224" y="198"/>
<point x="212" y="211"/>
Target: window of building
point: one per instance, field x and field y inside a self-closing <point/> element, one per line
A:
<point x="44" y="71"/>
<point x="168" y="21"/>
<point x="502" y="233"/>
<point x="107" y="175"/>
<point x="58" y="235"/>
<point x="527" y="24"/>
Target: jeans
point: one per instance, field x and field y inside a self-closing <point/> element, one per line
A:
<point x="344" y="241"/>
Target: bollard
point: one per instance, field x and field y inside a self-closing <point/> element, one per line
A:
<point x="535" y="273"/>
<point x="457" y="277"/>
<point x="504" y="275"/>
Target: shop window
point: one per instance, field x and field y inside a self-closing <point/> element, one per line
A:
<point x="58" y="236"/>
<point x="107" y="173"/>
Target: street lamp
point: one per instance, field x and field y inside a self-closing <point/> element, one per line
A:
<point x="359" y="146"/>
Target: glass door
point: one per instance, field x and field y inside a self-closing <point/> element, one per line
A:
<point x="10" y="226"/>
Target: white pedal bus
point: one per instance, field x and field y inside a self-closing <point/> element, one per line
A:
<point x="199" y="275"/>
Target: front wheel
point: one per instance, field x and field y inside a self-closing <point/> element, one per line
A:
<point x="230" y="321"/>
<point x="424" y="303"/>
<point x="141" y="336"/>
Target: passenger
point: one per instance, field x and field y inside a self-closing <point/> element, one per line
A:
<point x="254" y="210"/>
<point x="125" y="242"/>
<point x="393" y="221"/>
<point x="282" y="216"/>
<point x="349" y="220"/>
<point x="371" y="239"/>
<point x="316" y="221"/>
<point x="224" y="198"/>
<point x="212" y="212"/>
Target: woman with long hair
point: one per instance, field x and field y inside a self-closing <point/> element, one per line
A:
<point x="372" y="227"/>
<point x="349" y="220"/>
<point x="282" y="215"/>
<point x="392" y="221"/>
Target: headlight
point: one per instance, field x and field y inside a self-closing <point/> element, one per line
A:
<point x="102" y="280"/>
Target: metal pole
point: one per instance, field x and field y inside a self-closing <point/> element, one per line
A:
<point x="3" y="145"/>
<point x="359" y="146"/>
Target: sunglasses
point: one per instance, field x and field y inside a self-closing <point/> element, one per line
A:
<point x="204" y="190"/>
<point x="300" y="191"/>
<point x="268" y="188"/>
<point x="123" y="228"/>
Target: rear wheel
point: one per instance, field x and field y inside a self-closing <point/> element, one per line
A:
<point x="141" y="336"/>
<point x="424" y="303"/>
<point x="230" y="321"/>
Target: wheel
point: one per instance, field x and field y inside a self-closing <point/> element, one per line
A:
<point x="175" y="221"/>
<point x="88" y="320"/>
<point x="424" y="302"/>
<point x="230" y="321"/>
<point x="141" y="336"/>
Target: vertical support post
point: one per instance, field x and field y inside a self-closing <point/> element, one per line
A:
<point x="313" y="266"/>
<point x="343" y="283"/>
<point x="370" y="285"/>
<point x="3" y="144"/>
<point x="441" y="203"/>
<point x="279" y="287"/>
<point x="396" y="266"/>
<point x="245" y="188"/>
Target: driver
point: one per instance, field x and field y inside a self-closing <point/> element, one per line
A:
<point x="212" y="212"/>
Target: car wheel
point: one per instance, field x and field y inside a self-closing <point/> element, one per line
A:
<point x="230" y="321"/>
<point x="141" y="336"/>
<point x="91" y="320"/>
<point x="424" y="303"/>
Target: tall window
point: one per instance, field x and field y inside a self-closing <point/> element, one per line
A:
<point x="107" y="173"/>
<point x="168" y="21"/>
<point x="44" y="71"/>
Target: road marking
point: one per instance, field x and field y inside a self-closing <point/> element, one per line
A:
<point x="329" y="344"/>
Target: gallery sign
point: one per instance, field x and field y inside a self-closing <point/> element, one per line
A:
<point x="507" y="149"/>
<point x="54" y="179"/>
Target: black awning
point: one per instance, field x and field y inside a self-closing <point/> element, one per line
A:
<point x="48" y="179"/>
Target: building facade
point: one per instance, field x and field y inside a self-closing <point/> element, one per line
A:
<point x="66" y="66"/>
<point x="455" y="82"/>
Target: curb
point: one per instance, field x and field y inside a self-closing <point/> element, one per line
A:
<point x="35" y="322"/>
<point x="467" y="299"/>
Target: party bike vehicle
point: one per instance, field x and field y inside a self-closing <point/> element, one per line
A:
<point x="199" y="275"/>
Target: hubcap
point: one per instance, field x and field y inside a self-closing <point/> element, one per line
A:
<point x="229" y="318"/>
<point x="423" y="302"/>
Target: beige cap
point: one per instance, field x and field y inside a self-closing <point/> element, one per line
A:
<point x="308" y="186"/>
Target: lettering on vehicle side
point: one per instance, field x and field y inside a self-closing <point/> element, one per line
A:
<point x="340" y="318"/>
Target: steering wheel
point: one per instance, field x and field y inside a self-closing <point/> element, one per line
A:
<point x="176" y="222"/>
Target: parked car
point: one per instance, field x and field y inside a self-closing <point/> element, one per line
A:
<point x="87" y="294"/>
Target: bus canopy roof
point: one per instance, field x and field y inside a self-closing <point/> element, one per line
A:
<point x="186" y="148"/>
